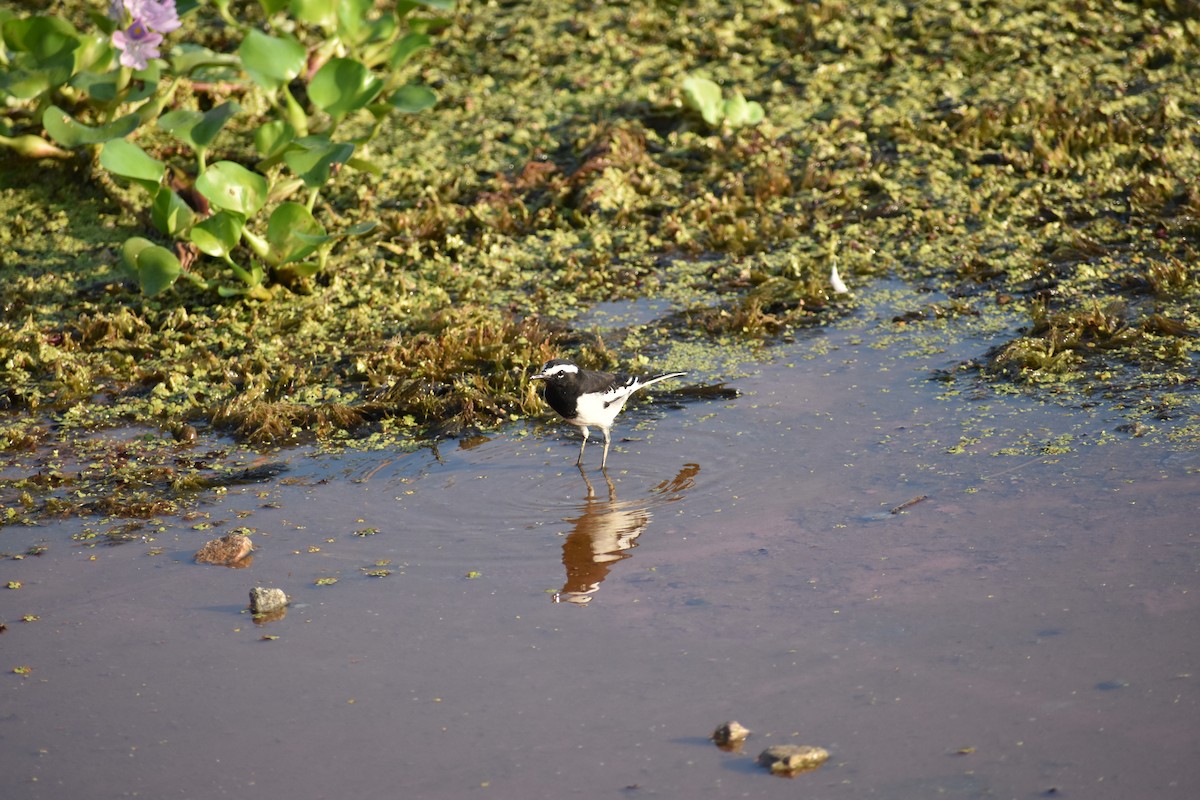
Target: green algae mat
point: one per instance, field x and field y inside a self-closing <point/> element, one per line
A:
<point x="1031" y="167"/>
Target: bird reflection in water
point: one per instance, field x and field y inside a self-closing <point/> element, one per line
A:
<point x="607" y="530"/>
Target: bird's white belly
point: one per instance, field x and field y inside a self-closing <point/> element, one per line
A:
<point x="599" y="410"/>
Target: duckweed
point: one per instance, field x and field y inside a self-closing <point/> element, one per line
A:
<point x="1033" y="167"/>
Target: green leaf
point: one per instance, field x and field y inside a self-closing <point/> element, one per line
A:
<point x="145" y="82"/>
<point x="406" y="47"/>
<point x="428" y="24"/>
<point x="739" y="112"/>
<point x="69" y="132"/>
<point x="353" y="230"/>
<point x="322" y="13"/>
<point x="196" y="129"/>
<point x="130" y="161"/>
<point x="735" y="110"/>
<point x="50" y="41"/>
<point x="100" y="86"/>
<point x="233" y="187"/>
<point x="354" y="25"/>
<point x="412" y="98"/>
<point x="191" y="57"/>
<point x="363" y="165"/>
<point x="95" y="53"/>
<point x="24" y="84"/>
<point x="287" y="221"/>
<point x="219" y="234"/>
<point x="169" y="213"/>
<point x="129" y="251"/>
<point x="270" y="61"/>
<point x="105" y="24"/>
<point x="272" y="138"/>
<point x="704" y="96"/>
<point x="343" y="85"/>
<point x="155" y="267"/>
<point x="360" y="228"/>
<point x="180" y="122"/>
<point x="272" y="7"/>
<point x="281" y="190"/>
<point x="314" y="156"/>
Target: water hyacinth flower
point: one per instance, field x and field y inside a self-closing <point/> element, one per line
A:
<point x="137" y="44"/>
<point x="158" y="15"/>
<point x="147" y="21"/>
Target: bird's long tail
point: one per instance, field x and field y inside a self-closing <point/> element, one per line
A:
<point x="658" y="378"/>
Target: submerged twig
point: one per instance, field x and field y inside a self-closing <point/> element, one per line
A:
<point x="908" y="504"/>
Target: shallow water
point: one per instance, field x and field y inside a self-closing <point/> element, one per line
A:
<point x="1029" y="628"/>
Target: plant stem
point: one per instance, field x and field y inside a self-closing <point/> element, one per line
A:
<point x="152" y="108"/>
<point x="238" y="272"/>
<point x="258" y="244"/>
<point x="294" y="114"/>
<point x="123" y="78"/>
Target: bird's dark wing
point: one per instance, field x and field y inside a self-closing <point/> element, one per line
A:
<point x="604" y="382"/>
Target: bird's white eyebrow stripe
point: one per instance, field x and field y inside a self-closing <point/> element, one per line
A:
<point x="563" y="369"/>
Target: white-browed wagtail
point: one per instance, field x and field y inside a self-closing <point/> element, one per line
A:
<point x="585" y="398"/>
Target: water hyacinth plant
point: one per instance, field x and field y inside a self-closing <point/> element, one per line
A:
<point x="93" y="91"/>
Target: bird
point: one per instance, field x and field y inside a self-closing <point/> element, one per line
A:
<point x="588" y="399"/>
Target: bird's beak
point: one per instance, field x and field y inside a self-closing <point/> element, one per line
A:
<point x="539" y="377"/>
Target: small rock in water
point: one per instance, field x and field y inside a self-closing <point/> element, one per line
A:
<point x="730" y="735"/>
<point x="185" y="433"/>
<point x="267" y="601"/>
<point x="228" y="551"/>
<point x="792" y="759"/>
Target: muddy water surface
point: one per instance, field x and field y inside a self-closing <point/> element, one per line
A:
<point x="1030" y="628"/>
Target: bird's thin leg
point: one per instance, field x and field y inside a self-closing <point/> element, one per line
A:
<point x="583" y="444"/>
<point x="604" y="458"/>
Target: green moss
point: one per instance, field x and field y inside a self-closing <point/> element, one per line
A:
<point x="1031" y="167"/>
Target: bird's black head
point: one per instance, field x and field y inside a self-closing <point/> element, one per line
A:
<point x="557" y="371"/>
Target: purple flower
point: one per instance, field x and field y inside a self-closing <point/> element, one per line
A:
<point x="148" y="20"/>
<point x="158" y="15"/>
<point x="137" y="44"/>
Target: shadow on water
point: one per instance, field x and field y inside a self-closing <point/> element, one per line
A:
<point x="607" y="530"/>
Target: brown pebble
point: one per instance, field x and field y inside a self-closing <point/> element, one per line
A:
<point x="232" y="550"/>
<point x="792" y="759"/>
<point x="730" y="735"/>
